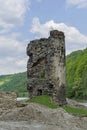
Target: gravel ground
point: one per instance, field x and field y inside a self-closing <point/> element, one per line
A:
<point x="24" y="125"/>
<point x="20" y="115"/>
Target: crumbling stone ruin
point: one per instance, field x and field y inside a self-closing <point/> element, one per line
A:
<point x="46" y="67"/>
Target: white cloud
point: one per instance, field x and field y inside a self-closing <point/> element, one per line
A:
<point x="12" y="12"/>
<point x="74" y="39"/>
<point x="12" y="51"/>
<point x="10" y="65"/>
<point x="13" y="56"/>
<point x="10" y="46"/>
<point x="77" y="3"/>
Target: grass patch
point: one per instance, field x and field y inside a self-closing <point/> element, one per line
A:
<point x="44" y="100"/>
<point x="76" y="111"/>
<point x="2" y="82"/>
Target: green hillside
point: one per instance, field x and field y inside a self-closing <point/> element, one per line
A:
<point x="14" y="82"/>
<point x="76" y="73"/>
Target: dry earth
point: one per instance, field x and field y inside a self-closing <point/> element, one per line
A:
<point x="22" y="116"/>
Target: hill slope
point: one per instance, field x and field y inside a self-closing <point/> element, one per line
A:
<point x="76" y="73"/>
<point x="14" y="82"/>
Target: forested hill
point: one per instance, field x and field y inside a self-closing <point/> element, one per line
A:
<point x="14" y="82"/>
<point x="76" y="72"/>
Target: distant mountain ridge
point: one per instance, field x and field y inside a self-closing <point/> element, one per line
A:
<point x="76" y="74"/>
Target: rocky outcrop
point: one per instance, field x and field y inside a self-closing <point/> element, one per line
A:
<point x="46" y="67"/>
<point x="7" y="100"/>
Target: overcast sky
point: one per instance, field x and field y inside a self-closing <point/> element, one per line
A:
<point x="25" y="20"/>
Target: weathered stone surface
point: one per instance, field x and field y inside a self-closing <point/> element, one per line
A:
<point x="46" y="67"/>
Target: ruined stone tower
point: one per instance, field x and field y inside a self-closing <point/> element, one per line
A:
<point x="46" y="67"/>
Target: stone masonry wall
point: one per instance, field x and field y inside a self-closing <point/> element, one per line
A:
<point x="46" y="67"/>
